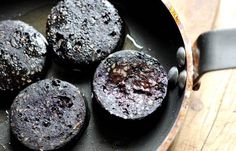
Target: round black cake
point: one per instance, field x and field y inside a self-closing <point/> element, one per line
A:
<point x="81" y="32"/>
<point x="48" y="114"/>
<point x="22" y="55"/>
<point x="130" y="84"/>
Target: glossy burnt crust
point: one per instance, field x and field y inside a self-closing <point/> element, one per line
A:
<point x="130" y="84"/>
<point x="81" y="32"/>
<point x="48" y="114"/>
<point x="22" y="55"/>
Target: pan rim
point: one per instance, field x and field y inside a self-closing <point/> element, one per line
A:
<point x="189" y="83"/>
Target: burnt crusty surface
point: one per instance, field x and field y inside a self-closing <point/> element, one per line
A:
<point x="22" y="54"/>
<point x="130" y="84"/>
<point x="47" y="114"/>
<point x="81" y="32"/>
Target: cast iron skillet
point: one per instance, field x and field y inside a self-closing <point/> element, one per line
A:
<point x="155" y="26"/>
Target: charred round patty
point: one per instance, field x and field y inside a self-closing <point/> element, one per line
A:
<point x="48" y="114"/>
<point x="130" y="84"/>
<point x="22" y="55"/>
<point x="81" y="32"/>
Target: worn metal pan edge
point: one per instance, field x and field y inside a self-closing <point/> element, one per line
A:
<point x="189" y="83"/>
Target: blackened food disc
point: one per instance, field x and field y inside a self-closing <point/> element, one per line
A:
<point x="82" y="32"/>
<point x="22" y="55"/>
<point x="130" y="84"/>
<point x="48" y="114"/>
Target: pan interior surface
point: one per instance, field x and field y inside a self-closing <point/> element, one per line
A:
<point x="155" y="32"/>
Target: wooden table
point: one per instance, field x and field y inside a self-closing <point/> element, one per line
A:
<point x="211" y="120"/>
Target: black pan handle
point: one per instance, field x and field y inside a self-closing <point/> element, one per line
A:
<point x="214" y="50"/>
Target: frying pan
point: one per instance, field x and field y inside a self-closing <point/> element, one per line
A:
<point x="155" y="26"/>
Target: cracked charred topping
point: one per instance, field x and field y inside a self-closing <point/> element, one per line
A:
<point x="22" y="55"/>
<point x="48" y="114"/>
<point x="130" y="84"/>
<point x="81" y="32"/>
